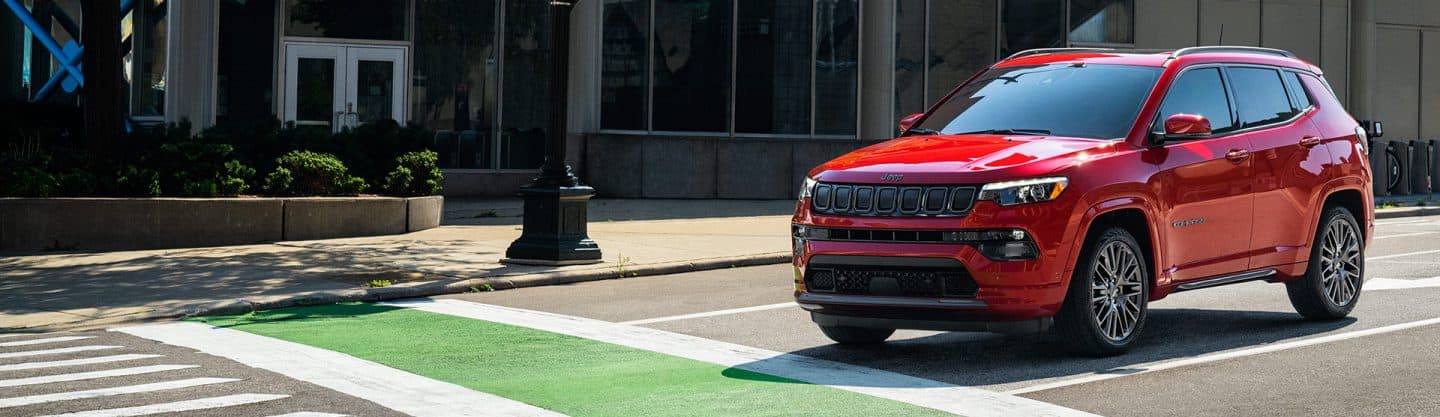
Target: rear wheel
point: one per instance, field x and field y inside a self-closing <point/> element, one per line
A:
<point x="1332" y="282"/>
<point x="1107" y="302"/>
<point x="847" y="335"/>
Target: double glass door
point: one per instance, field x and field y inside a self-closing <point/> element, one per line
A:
<point x="343" y="86"/>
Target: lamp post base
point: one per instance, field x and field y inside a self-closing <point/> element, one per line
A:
<point x="555" y="231"/>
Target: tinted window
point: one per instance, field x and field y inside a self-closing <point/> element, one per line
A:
<point x="1260" y="96"/>
<point x="1201" y="92"/>
<point x="1095" y="101"/>
<point x="1298" y="96"/>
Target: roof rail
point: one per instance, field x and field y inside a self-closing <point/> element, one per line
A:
<point x="1039" y="51"/>
<point x="1235" y="49"/>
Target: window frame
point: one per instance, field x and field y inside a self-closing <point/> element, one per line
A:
<point x="1289" y="98"/>
<point x="1234" y="105"/>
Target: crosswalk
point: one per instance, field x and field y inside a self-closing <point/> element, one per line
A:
<point x="54" y="375"/>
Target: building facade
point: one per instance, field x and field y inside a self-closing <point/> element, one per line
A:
<point x="684" y="98"/>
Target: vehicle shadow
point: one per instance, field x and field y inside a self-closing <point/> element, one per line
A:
<point x="971" y="359"/>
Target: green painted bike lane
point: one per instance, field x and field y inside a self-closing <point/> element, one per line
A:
<point x="571" y="375"/>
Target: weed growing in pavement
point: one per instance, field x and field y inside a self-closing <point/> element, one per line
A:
<point x="622" y="267"/>
<point x="482" y="288"/>
<point x="378" y="283"/>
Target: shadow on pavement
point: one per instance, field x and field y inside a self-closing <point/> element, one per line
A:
<point x="509" y="211"/>
<point x="970" y="359"/>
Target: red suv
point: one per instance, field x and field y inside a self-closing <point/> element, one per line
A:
<point x="1068" y="188"/>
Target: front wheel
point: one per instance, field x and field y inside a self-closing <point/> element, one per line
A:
<point x="847" y="335"/>
<point x="1332" y="282"/>
<point x="1107" y="302"/>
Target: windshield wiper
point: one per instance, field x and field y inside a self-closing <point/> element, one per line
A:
<point x="921" y="131"/>
<point x="1028" y="132"/>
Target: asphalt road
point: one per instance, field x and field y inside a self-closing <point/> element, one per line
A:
<point x="1360" y="366"/>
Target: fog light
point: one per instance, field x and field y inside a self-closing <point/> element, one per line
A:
<point x="1009" y="251"/>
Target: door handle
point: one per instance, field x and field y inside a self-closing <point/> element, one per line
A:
<point x="1309" y="141"/>
<point x="1237" y="155"/>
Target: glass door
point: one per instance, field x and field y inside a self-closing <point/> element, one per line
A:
<point x="338" y="86"/>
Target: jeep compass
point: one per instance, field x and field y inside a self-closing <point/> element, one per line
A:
<point x="1066" y="189"/>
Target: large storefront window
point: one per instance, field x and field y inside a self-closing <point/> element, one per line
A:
<point x="145" y="28"/>
<point x="1102" y="21"/>
<point x="910" y="46"/>
<point x="1030" y="24"/>
<point x="939" y="44"/>
<point x="350" y="19"/>
<point x="785" y="67"/>
<point x="525" y="111"/>
<point x="245" y="74"/>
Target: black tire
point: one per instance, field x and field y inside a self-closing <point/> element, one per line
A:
<point x="846" y="335"/>
<point x="1397" y="173"/>
<point x="1310" y="295"/>
<point x="1079" y="321"/>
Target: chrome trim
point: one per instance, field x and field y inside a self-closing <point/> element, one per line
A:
<point x="810" y="301"/>
<point x="1226" y="280"/>
<point x="874" y="206"/>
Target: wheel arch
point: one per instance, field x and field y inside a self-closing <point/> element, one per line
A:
<point x="1134" y="214"/>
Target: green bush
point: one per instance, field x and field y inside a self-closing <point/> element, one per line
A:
<point x="312" y="173"/>
<point x="137" y="182"/>
<point x="415" y="174"/>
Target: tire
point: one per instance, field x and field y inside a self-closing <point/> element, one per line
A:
<point x="1108" y="299"/>
<point x="1392" y="163"/>
<point x="1336" y="273"/>
<point x="846" y="335"/>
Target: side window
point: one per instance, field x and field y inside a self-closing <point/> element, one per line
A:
<point x="1260" y="96"/>
<point x="1199" y="91"/>
<point x="1299" y="97"/>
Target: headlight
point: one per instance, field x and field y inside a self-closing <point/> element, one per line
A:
<point x="1036" y="190"/>
<point x="807" y="187"/>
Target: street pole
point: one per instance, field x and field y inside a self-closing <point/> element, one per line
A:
<point x="103" y="102"/>
<point x="556" y="204"/>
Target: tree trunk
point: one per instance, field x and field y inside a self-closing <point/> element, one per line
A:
<point x="103" y="101"/>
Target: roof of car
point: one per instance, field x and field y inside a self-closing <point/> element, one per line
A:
<point x="1158" y="57"/>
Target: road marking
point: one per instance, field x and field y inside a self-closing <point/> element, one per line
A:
<point x="1405" y="235"/>
<point x="310" y="414"/>
<point x="178" y="406"/>
<point x="712" y="313"/>
<point x="392" y="388"/>
<point x="1222" y="356"/>
<point x="44" y="341"/>
<point x="1402" y="222"/>
<point x="73" y="362"/>
<point x="1401" y="255"/>
<point x="937" y="395"/>
<point x="5" y="335"/>
<point x="81" y="376"/>
<point x="107" y="392"/>
<point x="54" y="351"/>
<point x="1381" y="284"/>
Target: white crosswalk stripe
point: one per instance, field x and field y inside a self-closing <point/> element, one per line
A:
<point x="107" y="392"/>
<point x="5" y="335"/>
<point x="178" y="406"/>
<point x="75" y="362"/>
<point x="45" y="340"/>
<point x="59" y="351"/>
<point x="82" y="376"/>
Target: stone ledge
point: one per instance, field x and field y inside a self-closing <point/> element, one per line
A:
<point x="110" y="224"/>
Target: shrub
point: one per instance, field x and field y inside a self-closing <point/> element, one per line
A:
<point x="235" y="179"/>
<point x="415" y="174"/>
<point x="137" y="182"/>
<point x="312" y="173"/>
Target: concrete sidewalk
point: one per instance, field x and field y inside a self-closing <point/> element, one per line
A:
<point x="638" y="237"/>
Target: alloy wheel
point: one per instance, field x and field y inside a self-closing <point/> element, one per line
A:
<point x="1340" y="262"/>
<point x="1116" y="289"/>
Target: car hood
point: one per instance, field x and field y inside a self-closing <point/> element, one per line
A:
<point x="952" y="159"/>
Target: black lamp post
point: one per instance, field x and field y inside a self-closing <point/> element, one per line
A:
<point x="555" y="202"/>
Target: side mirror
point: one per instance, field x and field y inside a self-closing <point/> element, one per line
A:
<point x="909" y="121"/>
<point x="1373" y="128"/>
<point x="1183" y="126"/>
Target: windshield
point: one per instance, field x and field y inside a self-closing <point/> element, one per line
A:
<point x="1083" y="101"/>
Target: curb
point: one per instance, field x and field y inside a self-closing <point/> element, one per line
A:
<point x="1397" y="213"/>
<point x="242" y="306"/>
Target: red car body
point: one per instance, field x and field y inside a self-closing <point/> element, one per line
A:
<point x="1211" y="208"/>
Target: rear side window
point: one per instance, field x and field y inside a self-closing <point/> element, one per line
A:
<point x="1298" y="96"/>
<point x="1260" y="96"/>
<point x="1199" y="91"/>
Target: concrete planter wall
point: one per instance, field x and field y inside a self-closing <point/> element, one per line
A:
<point x="35" y="224"/>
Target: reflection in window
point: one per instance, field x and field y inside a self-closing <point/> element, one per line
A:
<point x="1094" y="101"/>
<point x="1030" y="24"/>
<point x="246" y="66"/>
<point x="962" y="42"/>
<point x="1259" y="96"/>
<point x="772" y="80"/>
<point x="144" y="29"/>
<point x="837" y="64"/>
<point x="352" y="19"/>
<point x="623" y="79"/>
<point x="1200" y="92"/>
<point x="455" y="79"/>
<point x="692" y="65"/>
<point x="909" y="57"/>
<point x="1102" y="21"/>
<point x="526" y="99"/>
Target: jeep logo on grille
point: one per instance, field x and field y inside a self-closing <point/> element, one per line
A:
<point x="892" y="177"/>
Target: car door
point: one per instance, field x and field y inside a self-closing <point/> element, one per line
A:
<point x="1290" y="161"/>
<point x="1205" y="185"/>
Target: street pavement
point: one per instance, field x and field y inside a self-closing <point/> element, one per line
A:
<point x="1238" y="350"/>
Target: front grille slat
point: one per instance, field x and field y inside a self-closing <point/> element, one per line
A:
<point x="892" y="201"/>
<point x="885" y="281"/>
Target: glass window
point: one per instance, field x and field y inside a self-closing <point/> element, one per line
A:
<point x="623" y="80"/>
<point x="14" y="60"/>
<point x="525" y="114"/>
<point x="837" y="66"/>
<point x="1199" y="91"/>
<point x="1102" y="21"/>
<point x="455" y="83"/>
<point x="1094" y="101"/>
<point x="1030" y="24"/>
<point x="692" y="65"/>
<point x="1259" y="96"/>
<point x="351" y="19"/>
<point x="909" y="57"/>
<point x="772" y="80"/>
<point x="144" y="30"/>
<point x="962" y="42"/>
<point x="246" y="67"/>
<point x="1299" y="97"/>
